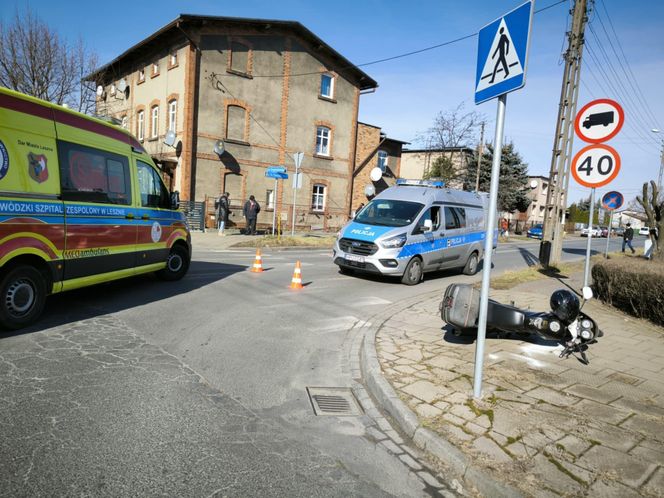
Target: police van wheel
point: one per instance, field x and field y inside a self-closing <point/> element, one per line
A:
<point x="177" y="264"/>
<point x="412" y="275"/>
<point x="471" y="265"/>
<point x="23" y="295"/>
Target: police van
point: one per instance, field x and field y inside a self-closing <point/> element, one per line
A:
<point x="415" y="227"/>
<point x="81" y="202"/>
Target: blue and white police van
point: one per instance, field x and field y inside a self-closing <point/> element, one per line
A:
<point x="415" y="227"/>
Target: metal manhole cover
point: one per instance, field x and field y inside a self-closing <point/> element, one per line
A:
<point x="334" y="401"/>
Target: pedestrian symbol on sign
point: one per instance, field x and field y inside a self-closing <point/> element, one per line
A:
<point x="502" y="62"/>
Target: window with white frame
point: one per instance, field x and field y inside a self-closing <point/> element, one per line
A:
<point x="154" y="125"/>
<point x="141" y="75"/>
<point x="269" y="199"/>
<point x="323" y="135"/>
<point x="318" y="198"/>
<point x="174" y="59"/>
<point x="140" y="125"/>
<point x="327" y="86"/>
<point x="112" y="92"/>
<point x="124" y="122"/>
<point x="155" y="68"/>
<point x="172" y="115"/>
<point x="382" y="160"/>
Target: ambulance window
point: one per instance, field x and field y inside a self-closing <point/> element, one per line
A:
<point x="153" y="192"/>
<point x="93" y="175"/>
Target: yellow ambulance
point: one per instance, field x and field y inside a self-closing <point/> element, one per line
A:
<point x="81" y="202"/>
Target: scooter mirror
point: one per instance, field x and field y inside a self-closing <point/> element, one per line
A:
<point x="587" y="293"/>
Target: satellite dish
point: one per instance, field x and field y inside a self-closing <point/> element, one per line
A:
<point x="122" y="85"/>
<point x="219" y="147"/>
<point x="369" y="190"/>
<point x="376" y="174"/>
<point x="533" y="184"/>
<point x="169" y="139"/>
<point x="100" y="91"/>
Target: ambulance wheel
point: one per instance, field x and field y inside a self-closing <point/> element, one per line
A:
<point x="177" y="264"/>
<point x="471" y="265"/>
<point x="23" y="295"/>
<point x="412" y="275"/>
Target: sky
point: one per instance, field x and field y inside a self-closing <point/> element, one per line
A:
<point x="412" y="90"/>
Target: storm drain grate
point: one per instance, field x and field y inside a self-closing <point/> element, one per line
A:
<point x="334" y="401"/>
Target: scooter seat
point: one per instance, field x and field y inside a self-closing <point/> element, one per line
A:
<point x="505" y="317"/>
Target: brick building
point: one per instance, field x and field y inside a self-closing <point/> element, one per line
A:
<point x="539" y="187"/>
<point x="264" y="89"/>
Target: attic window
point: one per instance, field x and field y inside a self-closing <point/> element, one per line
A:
<point x="240" y="58"/>
<point x="141" y="75"/>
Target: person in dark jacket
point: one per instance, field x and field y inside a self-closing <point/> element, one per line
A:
<point x="223" y="210"/>
<point x="250" y="211"/>
<point x="628" y="235"/>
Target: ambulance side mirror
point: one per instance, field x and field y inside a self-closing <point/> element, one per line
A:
<point x="175" y="200"/>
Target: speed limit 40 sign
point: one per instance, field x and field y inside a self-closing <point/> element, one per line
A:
<point x="596" y="165"/>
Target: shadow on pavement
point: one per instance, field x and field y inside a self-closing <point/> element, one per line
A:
<point x="528" y="257"/>
<point x="434" y="275"/>
<point x="572" y="250"/>
<point x="90" y="302"/>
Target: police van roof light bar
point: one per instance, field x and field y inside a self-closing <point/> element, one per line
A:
<point x="420" y="183"/>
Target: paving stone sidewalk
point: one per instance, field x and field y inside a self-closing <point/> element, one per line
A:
<point x="546" y="426"/>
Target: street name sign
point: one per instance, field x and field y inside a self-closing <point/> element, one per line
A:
<point x="599" y="121"/>
<point x="502" y="54"/>
<point x="276" y="172"/>
<point x="596" y="165"/>
<point x="612" y="200"/>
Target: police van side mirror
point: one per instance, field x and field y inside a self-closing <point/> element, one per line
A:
<point x="175" y="200"/>
<point x="428" y="226"/>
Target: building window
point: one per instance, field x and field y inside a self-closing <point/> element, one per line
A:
<point x="124" y="122"/>
<point x="327" y="86"/>
<point x="112" y="92"/>
<point x="240" y="57"/>
<point x="318" y="198"/>
<point x="154" y="124"/>
<point x="382" y="160"/>
<point x="141" y="75"/>
<point x="269" y="199"/>
<point x="323" y="135"/>
<point x="172" y="115"/>
<point x="236" y="117"/>
<point x="140" y="125"/>
<point x="92" y="175"/>
<point x="173" y="59"/>
<point x="155" y="69"/>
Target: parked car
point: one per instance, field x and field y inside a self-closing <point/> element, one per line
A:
<point x="644" y="231"/>
<point x="594" y="230"/>
<point x="619" y="232"/>
<point x="603" y="231"/>
<point x="535" y="232"/>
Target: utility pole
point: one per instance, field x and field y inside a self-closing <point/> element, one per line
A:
<point x="479" y="158"/>
<point x="556" y="198"/>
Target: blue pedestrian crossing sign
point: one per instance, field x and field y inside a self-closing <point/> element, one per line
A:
<point x="612" y="200"/>
<point x="502" y="54"/>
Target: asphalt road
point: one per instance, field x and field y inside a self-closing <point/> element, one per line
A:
<point x="198" y="387"/>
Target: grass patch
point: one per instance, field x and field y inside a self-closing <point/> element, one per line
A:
<point x="287" y="241"/>
<point x="512" y="440"/>
<point x="479" y="412"/>
<point x="563" y="469"/>
<point x="511" y="279"/>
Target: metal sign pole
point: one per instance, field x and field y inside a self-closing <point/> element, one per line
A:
<point x="586" y="271"/>
<point x="294" y="199"/>
<point x="608" y="235"/>
<point x="274" y="205"/>
<point x="488" y="245"/>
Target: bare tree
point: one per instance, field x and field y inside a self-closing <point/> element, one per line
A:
<point x="653" y="206"/>
<point x="451" y="129"/>
<point x="34" y="60"/>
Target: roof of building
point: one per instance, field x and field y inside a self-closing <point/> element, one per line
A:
<point x="439" y="149"/>
<point x="382" y="134"/>
<point x="546" y="178"/>
<point x="178" y="27"/>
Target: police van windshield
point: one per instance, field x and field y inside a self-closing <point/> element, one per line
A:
<point x="389" y="213"/>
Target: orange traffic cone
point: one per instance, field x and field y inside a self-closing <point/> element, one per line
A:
<point x="258" y="262"/>
<point x="296" y="281"/>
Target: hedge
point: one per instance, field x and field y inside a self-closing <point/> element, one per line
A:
<point x="633" y="285"/>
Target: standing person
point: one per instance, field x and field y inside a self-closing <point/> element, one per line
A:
<point x="250" y="211"/>
<point x="503" y="227"/>
<point x="223" y="208"/>
<point x="627" y="238"/>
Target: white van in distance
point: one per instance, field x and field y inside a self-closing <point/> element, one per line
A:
<point x="415" y="227"/>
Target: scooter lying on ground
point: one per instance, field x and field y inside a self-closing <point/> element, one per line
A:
<point x="574" y="330"/>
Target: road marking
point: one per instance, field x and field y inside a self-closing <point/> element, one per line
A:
<point x="370" y="301"/>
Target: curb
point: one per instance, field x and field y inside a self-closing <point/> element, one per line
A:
<point x="387" y="398"/>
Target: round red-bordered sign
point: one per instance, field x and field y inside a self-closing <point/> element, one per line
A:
<point x="599" y="121"/>
<point x="596" y="165"/>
